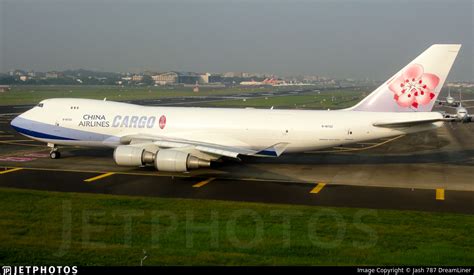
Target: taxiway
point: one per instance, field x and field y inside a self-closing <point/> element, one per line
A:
<point x="430" y="171"/>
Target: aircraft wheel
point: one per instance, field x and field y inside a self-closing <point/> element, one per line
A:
<point x="55" y="155"/>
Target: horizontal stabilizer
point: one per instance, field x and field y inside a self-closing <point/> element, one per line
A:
<point x="410" y="123"/>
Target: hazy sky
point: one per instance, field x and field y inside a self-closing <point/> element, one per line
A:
<point x="360" y="39"/>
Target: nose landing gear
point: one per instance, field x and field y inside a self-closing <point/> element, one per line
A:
<point x="54" y="153"/>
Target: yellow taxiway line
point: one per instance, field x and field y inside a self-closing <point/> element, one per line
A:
<point x="10" y="170"/>
<point x="440" y="194"/>
<point x="367" y="143"/>
<point x="346" y="149"/>
<point x="318" y="188"/>
<point x="99" y="177"/>
<point x="96" y="171"/>
<point x="204" y="182"/>
<point x="152" y="174"/>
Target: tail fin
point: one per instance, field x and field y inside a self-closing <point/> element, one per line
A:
<point x="415" y="87"/>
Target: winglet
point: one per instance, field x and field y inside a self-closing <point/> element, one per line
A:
<point x="273" y="151"/>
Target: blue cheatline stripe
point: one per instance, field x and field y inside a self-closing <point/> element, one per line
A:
<point x="37" y="129"/>
<point x="267" y="153"/>
<point x="38" y="134"/>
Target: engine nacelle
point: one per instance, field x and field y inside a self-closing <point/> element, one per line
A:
<point x="177" y="161"/>
<point x="129" y="155"/>
<point x="164" y="160"/>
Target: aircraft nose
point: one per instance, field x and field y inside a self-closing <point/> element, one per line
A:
<point x="14" y="122"/>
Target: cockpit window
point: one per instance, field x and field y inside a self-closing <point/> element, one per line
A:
<point x="40" y="105"/>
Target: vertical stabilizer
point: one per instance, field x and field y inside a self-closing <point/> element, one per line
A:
<point x="415" y="87"/>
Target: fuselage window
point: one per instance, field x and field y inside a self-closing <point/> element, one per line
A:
<point x="40" y="105"/>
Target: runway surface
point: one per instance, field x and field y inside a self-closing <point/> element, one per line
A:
<point x="430" y="171"/>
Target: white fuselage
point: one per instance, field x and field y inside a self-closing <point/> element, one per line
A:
<point x="87" y="122"/>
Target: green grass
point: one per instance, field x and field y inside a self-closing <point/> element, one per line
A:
<point x="336" y="99"/>
<point x="343" y="98"/>
<point x="33" y="94"/>
<point x="204" y="232"/>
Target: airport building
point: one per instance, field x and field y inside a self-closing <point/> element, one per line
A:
<point x="165" y="78"/>
<point x="204" y="78"/>
<point x="170" y="78"/>
<point x="188" y="78"/>
<point x="53" y="75"/>
<point x="210" y="78"/>
<point x="137" y="77"/>
<point x="4" y="88"/>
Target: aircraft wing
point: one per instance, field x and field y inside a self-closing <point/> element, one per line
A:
<point x="467" y="100"/>
<point x="274" y="150"/>
<point x="455" y="107"/>
<point x="448" y="106"/>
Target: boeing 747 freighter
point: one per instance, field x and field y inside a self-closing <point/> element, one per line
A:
<point x="178" y="139"/>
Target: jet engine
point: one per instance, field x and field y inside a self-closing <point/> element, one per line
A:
<point x="177" y="161"/>
<point x="168" y="160"/>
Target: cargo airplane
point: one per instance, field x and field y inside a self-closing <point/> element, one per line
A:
<point x="178" y="139"/>
<point x="462" y="114"/>
<point x="449" y="101"/>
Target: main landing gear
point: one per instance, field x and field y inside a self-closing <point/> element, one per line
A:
<point x="54" y="154"/>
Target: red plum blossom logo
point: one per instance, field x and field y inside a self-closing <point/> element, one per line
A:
<point x="414" y="87"/>
<point x="162" y="122"/>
